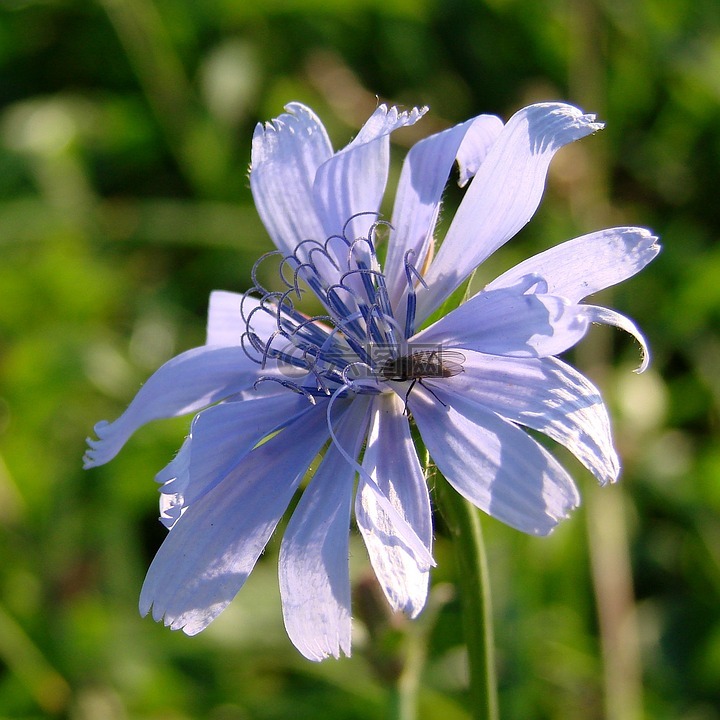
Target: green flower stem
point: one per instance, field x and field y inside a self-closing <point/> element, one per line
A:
<point x="405" y="692"/>
<point x="409" y="682"/>
<point x="463" y="523"/>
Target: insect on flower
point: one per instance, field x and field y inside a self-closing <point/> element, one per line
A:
<point x="421" y="364"/>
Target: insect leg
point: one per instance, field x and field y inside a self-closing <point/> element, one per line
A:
<point x="428" y="389"/>
<point x="407" y="394"/>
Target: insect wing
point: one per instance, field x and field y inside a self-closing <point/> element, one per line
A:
<point x="451" y="363"/>
<point x="436" y="363"/>
<point x="423" y="363"/>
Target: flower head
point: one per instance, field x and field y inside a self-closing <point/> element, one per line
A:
<point x="273" y="387"/>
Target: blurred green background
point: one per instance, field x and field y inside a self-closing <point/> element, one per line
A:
<point x="125" y="131"/>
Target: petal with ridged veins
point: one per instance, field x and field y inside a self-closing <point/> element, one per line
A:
<point x="187" y="383"/>
<point x="313" y="564"/>
<point x="544" y="394"/>
<point x="590" y="263"/>
<point x="211" y="550"/>
<point x="503" y="195"/>
<point x="493" y="463"/>
<point x="391" y="459"/>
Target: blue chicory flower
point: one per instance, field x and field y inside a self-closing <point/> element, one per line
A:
<point x="272" y="387"/>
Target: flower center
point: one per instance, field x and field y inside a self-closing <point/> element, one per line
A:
<point x="357" y="343"/>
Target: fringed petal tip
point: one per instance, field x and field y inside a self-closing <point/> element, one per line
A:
<point x="384" y="120"/>
<point x="582" y="119"/>
<point x="563" y="117"/>
<point x="612" y="471"/>
<point x="549" y="529"/>
<point x="560" y="507"/>
<point x="317" y="646"/>
<point x="298" y="118"/>
<point x="190" y="623"/>
<point x="295" y="113"/>
<point x="401" y="117"/>
<point x="98" y="452"/>
<point x="612" y="479"/>
<point x="645" y="248"/>
<point x="416" y="113"/>
<point x="321" y="652"/>
<point x="653" y="240"/>
<point x="88" y="459"/>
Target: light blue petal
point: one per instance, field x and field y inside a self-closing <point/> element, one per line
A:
<point x="404" y="532"/>
<point x="508" y="322"/>
<point x="225" y="324"/>
<point x="546" y="395"/>
<point x="177" y="470"/>
<point x="503" y="195"/>
<point x="183" y="385"/>
<point x="391" y="459"/>
<point x="220" y="437"/>
<point x="174" y="479"/>
<point x="353" y="181"/>
<point x="483" y="133"/>
<point x="382" y="122"/>
<point x="223" y="434"/>
<point x="425" y="174"/>
<point x="172" y="507"/>
<point x="213" y="547"/>
<point x="313" y="565"/>
<point x="285" y="157"/>
<point x="587" y="264"/>
<point x="493" y="463"/>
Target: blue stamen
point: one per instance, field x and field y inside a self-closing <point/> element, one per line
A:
<point x="286" y="384"/>
<point x="340" y="311"/>
<point x="410" y="272"/>
<point x="248" y="336"/>
<point x="354" y="217"/>
<point x="253" y="273"/>
<point x="309" y="332"/>
<point x="314" y="281"/>
<point x="410" y="315"/>
<point x="359" y="315"/>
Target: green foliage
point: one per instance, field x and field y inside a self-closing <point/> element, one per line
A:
<point x="125" y="131"/>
